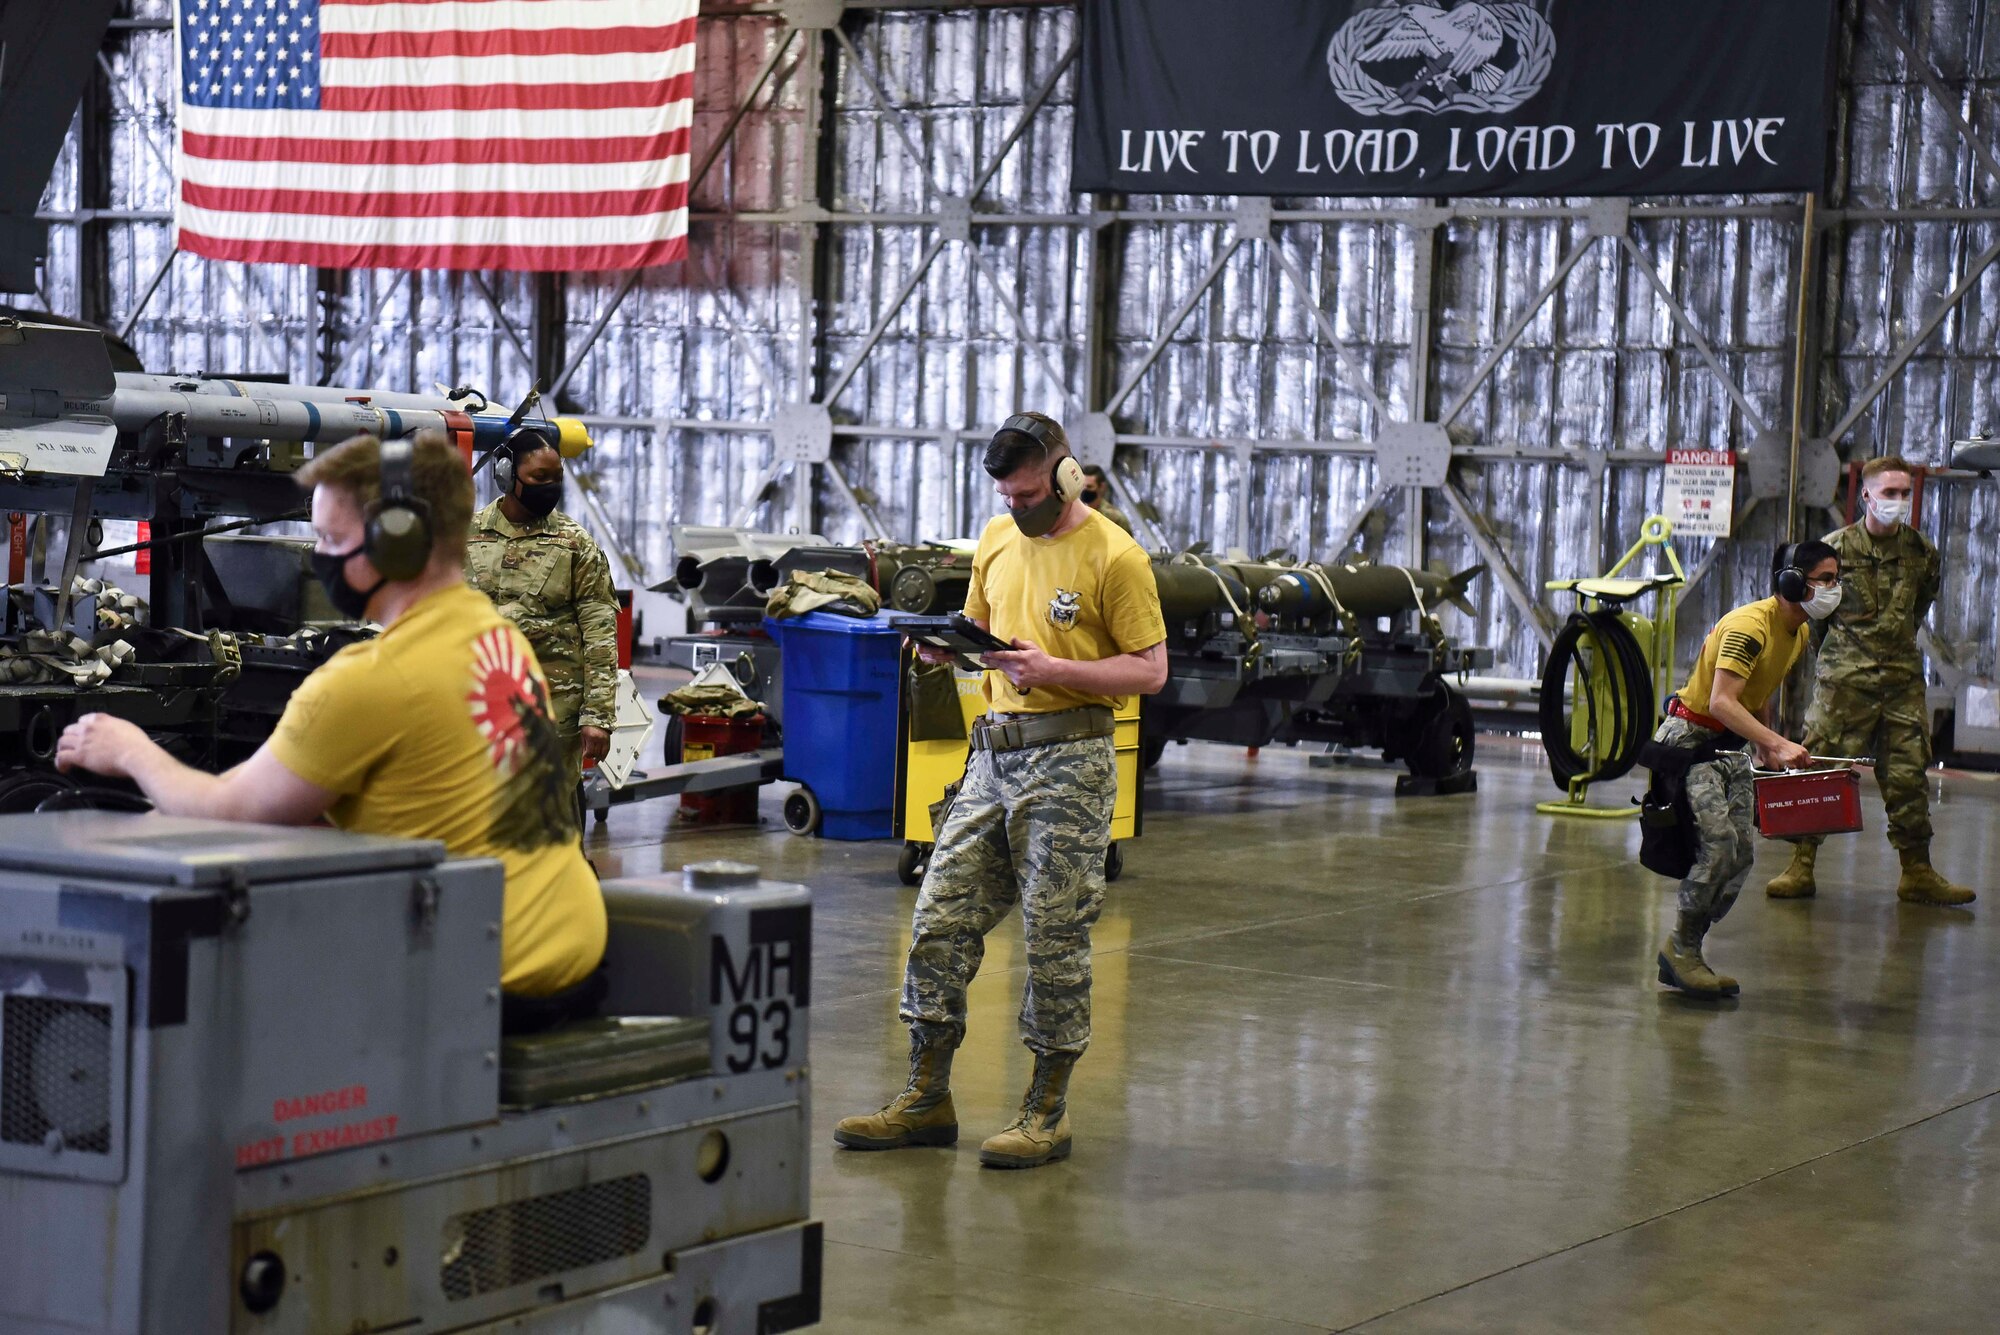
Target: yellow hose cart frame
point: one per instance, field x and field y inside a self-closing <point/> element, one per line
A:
<point x="925" y="769"/>
<point x="1613" y="591"/>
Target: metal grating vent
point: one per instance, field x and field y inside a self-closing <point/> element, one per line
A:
<point x="55" y="1074"/>
<point x="505" y="1245"/>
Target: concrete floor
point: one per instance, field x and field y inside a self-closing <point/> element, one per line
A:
<point x="1402" y="1066"/>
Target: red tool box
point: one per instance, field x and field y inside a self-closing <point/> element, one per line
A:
<point x="1822" y="801"/>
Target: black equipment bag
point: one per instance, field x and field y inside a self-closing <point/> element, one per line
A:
<point x="1669" y="841"/>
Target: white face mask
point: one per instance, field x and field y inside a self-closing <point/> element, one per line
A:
<point x="1889" y="513"/>
<point x="1824" y="603"/>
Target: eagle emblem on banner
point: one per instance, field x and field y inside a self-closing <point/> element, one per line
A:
<point x="1420" y="56"/>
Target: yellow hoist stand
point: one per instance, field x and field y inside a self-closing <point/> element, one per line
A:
<point x="925" y="769"/>
<point x="1614" y="591"/>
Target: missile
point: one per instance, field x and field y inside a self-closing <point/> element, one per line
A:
<point x="1189" y="592"/>
<point x="256" y="411"/>
<point x="62" y="407"/>
<point x="1367" y="591"/>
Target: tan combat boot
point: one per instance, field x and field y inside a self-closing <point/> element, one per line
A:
<point x="921" y="1115"/>
<point x="1921" y="883"/>
<point x="1796" y="880"/>
<point x="1041" y="1133"/>
<point x="1681" y="964"/>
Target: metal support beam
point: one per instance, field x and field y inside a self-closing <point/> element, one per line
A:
<point x="1680" y="315"/>
<point x="1355" y="524"/>
<point x="1929" y="78"/>
<point x="888" y="317"/>
<point x="505" y="325"/>
<point x="1356" y="376"/>
<point x="1515" y="330"/>
<point x="1008" y="303"/>
<point x="748" y="509"/>
<point x="364" y="333"/>
<point x="1029" y="111"/>
<point x="1171" y="327"/>
<point x="861" y="507"/>
<point x="131" y="321"/>
<point x="897" y="117"/>
<point x="1901" y="357"/>
<point x="1509" y="578"/>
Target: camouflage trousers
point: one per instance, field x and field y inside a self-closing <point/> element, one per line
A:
<point x="1027" y="827"/>
<point x="566" y="712"/>
<point x="1722" y="797"/>
<point x="1886" y="718"/>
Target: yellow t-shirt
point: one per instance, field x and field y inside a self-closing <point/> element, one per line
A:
<point x="1754" y="643"/>
<point x="1086" y="595"/>
<point x="439" y="728"/>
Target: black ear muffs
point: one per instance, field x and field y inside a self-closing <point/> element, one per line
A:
<point x="1787" y="580"/>
<point x="398" y="534"/>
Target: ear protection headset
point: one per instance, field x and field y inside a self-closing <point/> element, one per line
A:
<point x="503" y="466"/>
<point x="1067" y="480"/>
<point x="398" y="533"/>
<point x="1788" y="581"/>
<point x="507" y="458"/>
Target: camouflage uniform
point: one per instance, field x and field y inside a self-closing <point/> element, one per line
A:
<point x="1721" y="796"/>
<point x="1029" y="825"/>
<point x="550" y="578"/>
<point x="1868" y="699"/>
<point x="1115" y="515"/>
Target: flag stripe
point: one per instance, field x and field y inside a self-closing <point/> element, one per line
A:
<point x="508" y="96"/>
<point x="333" y="230"/>
<point x="495" y="15"/>
<point x="441" y="204"/>
<point x="219" y="159"/>
<point x="505" y="42"/>
<point x="509" y="123"/>
<point x="618" y="67"/>
<point x="353" y="255"/>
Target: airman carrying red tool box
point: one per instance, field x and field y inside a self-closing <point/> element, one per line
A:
<point x="1821" y="801"/>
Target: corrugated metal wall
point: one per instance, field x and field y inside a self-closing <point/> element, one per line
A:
<point x="778" y="297"/>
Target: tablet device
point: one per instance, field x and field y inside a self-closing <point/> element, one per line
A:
<point x="956" y="634"/>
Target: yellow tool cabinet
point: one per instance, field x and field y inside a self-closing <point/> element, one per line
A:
<point x="925" y="769"/>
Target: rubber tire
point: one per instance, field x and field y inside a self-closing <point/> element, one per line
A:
<point x="801" y="809"/>
<point x="1151" y="750"/>
<point x="1445" y="742"/>
<point x="1114" y="862"/>
<point x="910" y="864"/>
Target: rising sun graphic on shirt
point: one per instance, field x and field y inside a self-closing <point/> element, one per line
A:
<point x="504" y="694"/>
<point x="534" y="805"/>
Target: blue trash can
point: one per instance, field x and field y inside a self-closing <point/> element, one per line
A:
<point x="840" y="703"/>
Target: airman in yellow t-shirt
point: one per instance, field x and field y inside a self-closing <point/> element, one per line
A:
<point x="1728" y="701"/>
<point x="438" y="728"/>
<point x="1076" y="598"/>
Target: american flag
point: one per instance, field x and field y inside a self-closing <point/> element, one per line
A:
<point x="436" y="134"/>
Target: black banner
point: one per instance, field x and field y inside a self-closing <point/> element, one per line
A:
<point x="1453" y="97"/>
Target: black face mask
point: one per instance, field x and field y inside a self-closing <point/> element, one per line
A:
<point x="1038" y="519"/>
<point x="331" y="568"/>
<point x="1090" y="495"/>
<point x="539" y="498"/>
